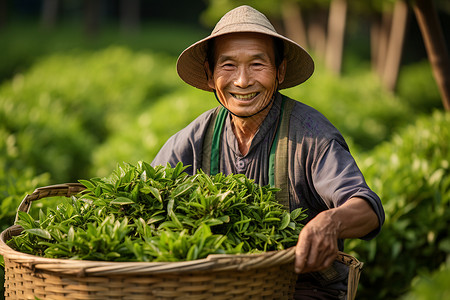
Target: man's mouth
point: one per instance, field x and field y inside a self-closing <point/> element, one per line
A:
<point x="245" y="97"/>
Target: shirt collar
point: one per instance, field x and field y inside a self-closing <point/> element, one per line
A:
<point x="267" y="128"/>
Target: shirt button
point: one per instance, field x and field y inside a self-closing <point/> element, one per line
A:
<point x="240" y="165"/>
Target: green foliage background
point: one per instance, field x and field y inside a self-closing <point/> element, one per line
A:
<point x="75" y="114"/>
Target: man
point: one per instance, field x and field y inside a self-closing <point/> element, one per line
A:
<point x="245" y="62"/>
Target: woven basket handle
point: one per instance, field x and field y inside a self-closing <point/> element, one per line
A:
<point x="65" y="189"/>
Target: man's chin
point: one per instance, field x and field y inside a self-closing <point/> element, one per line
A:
<point x="243" y="113"/>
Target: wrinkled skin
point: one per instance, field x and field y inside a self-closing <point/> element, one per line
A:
<point x="317" y="243"/>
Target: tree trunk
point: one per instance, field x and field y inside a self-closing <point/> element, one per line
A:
<point x="49" y="13"/>
<point x="130" y="15"/>
<point x="395" y="46"/>
<point x="379" y="41"/>
<point x="91" y="17"/>
<point x="435" y="44"/>
<point x="317" y="37"/>
<point x="293" y="22"/>
<point x="3" y="13"/>
<point x="335" y="35"/>
<point x="375" y="33"/>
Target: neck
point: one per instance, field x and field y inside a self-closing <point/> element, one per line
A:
<point x="244" y="134"/>
<point x="245" y="129"/>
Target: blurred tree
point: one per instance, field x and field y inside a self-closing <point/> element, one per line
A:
<point x="435" y="44"/>
<point x="380" y="29"/>
<point x="394" y="50"/>
<point x="217" y="8"/>
<point x="293" y="22"/>
<point x="3" y="10"/>
<point x="49" y="13"/>
<point x="379" y="13"/>
<point x="317" y="30"/>
<point x="335" y="35"/>
<point x="388" y="24"/>
<point x="130" y="15"/>
<point x="92" y="17"/>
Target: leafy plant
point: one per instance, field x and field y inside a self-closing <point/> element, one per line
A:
<point x="55" y="122"/>
<point x="418" y="88"/>
<point x="141" y="213"/>
<point x="150" y="128"/>
<point x="14" y="183"/>
<point x="431" y="286"/>
<point x="412" y="176"/>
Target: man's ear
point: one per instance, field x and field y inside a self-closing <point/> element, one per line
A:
<point x="209" y="76"/>
<point x="281" y="72"/>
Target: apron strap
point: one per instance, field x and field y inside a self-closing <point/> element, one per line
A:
<point x="211" y="142"/>
<point x="278" y="157"/>
<point x="280" y="166"/>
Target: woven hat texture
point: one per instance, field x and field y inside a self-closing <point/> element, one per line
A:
<point x="190" y="64"/>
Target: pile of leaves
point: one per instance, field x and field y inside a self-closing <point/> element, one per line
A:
<point x="145" y="213"/>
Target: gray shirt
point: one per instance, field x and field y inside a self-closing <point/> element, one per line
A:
<point x="322" y="172"/>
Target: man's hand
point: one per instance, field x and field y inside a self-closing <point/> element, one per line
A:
<point x="317" y="243"/>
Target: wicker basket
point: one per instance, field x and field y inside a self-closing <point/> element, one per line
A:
<point x="268" y="275"/>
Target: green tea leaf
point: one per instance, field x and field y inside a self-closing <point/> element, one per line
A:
<point x="285" y="220"/>
<point x="122" y="201"/>
<point x="71" y="235"/>
<point x="296" y="213"/>
<point x="40" y="233"/>
<point x="89" y="185"/>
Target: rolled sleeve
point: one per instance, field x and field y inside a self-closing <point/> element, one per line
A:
<point x="337" y="178"/>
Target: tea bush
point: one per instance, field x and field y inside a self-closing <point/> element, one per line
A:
<point x="356" y="104"/>
<point x="24" y="44"/>
<point x="14" y="185"/>
<point x="431" y="286"/>
<point x="139" y="137"/>
<point x="411" y="174"/>
<point x="57" y="113"/>
<point x="417" y="87"/>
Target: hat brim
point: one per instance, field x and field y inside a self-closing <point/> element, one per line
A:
<point x="190" y="63"/>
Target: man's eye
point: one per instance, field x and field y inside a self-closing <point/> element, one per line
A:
<point x="227" y="66"/>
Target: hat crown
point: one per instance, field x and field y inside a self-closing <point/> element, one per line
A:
<point x="191" y="62"/>
<point x="242" y="15"/>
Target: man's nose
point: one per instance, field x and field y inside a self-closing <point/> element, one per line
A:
<point x="243" y="78"/>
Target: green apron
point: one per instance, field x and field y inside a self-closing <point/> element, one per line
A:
<point x="278" y="158"/>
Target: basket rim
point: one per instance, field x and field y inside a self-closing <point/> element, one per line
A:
<point x="214" y="262"/>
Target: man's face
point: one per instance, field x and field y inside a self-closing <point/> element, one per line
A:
<point x="244" y="75"/>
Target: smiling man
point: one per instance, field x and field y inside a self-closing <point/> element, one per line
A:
<point x="275" y="140"/>
<point x="245" y="78"/>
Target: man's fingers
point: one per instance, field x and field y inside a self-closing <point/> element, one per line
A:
<point x="307" y="260"/>
<point x="329" y="260"/>
<point x="300" y="261"/>
<point x="301" y="254"/>
<point x="317" y="246"/>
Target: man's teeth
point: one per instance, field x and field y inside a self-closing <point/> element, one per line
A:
<point x="245" y="97"/>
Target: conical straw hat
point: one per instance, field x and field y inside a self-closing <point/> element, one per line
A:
<point x="190" y="64"/>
